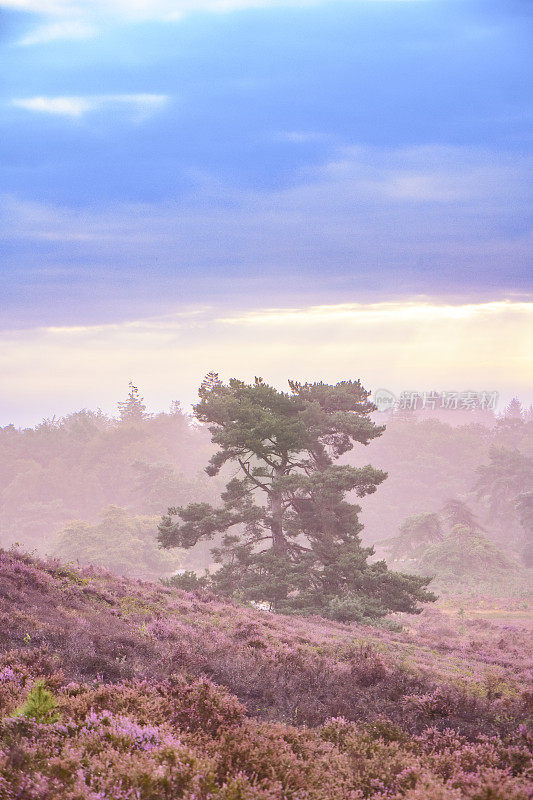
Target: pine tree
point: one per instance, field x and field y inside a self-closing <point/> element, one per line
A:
<point x="289" y="536"/>
<point x="456" y="512"/>
<point x="133" y="409"/>
<point x="513" y="410"/>
<point x="508" y="473"/>
<point x="415" y="534"/>
<point x="40" y="705"/>
<point x="464" y="554"/>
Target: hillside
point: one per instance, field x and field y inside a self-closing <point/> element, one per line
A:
<point x="165" y="694"/>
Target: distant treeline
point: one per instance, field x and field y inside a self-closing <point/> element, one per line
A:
<point x="75" y="468"/>
<point x="487" y="466"/>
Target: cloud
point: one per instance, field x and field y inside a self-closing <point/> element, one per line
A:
<point x="416" y="345"/>
<point x="431" y="173"/>
<point x="72" y="106"/>
<point x="81" y="18"/>
<point x="441" y="216"/>
<point x="154" y="9"/>
<point x="404" y="312"/>
<point x="336" y="235"/>
<point x="55" y="31"/>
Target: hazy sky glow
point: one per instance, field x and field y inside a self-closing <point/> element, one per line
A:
<point x="216" y="158"/>
<point x="389" y="345"/>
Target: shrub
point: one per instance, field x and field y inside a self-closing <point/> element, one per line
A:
<point x="188" y="581"/>
<point x="40" y="705"/>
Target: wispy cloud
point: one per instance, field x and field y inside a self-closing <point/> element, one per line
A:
<point x="76" y="106"/>
<point x="418" y="344"/>
<point x="81" y="18"/>
<point x="68" y="29"/>
<point x="156" y="8"/>
<point x="431" y="214"/>
<point x="430" y="173"/>
<point x="404" y="312"/>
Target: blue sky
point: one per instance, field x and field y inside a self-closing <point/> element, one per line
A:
<point x="162" y="157"/>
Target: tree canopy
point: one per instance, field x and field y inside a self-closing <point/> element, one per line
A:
<point x="415" y="534"/>
<point x="464" y="553"/>
<point x="120" y="541"/>
<point x="508" y="476"/>
<point x="289" y="535"/>
<point x="455" y="550"/>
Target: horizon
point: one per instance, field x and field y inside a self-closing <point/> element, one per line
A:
<point x="91" y="365"/>
<point x="486" y="408"/>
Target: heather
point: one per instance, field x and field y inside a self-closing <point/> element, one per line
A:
<point x="161" y="693"/>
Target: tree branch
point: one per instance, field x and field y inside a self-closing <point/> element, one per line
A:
<point x="246" y="469"/>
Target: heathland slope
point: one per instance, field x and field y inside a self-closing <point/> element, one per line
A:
<point x="160" y="693"/>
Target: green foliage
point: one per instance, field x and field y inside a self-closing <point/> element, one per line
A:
<point x="158" y="485"/>
<point x="416" y="533"/>
<point x="188" y="581"/>
<point x="508" y="473"/>
<point x="459" y="555"/>
<point x="351" y="607"/>
<point x="289" y="536"/>
<point x="72" y="468"/>
<point x="464" y="553"/>
<point x="456" y="512"/>
<point x="121" y="542"/>
<point x="40" y="705"/>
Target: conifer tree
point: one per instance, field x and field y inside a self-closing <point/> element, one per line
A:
<point x="133" y="409"/>
<point x="415" y="534"/>
<point x="289" y="536"/>
<point x="40" y="705"/>
<point x="508" y="473"/>
<point x="513" y="410"/>
<point x="456" y="512"/>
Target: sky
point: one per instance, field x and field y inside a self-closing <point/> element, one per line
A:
<point x="307" y="188"/>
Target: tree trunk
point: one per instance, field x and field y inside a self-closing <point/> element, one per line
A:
<point x="279" y="543"/>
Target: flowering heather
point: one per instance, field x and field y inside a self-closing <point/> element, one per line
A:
<point x="166" y="694"/>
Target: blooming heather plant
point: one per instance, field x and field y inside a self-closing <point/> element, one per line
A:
<point x="169" y="694"/>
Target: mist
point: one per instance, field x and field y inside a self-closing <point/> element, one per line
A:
<point x="92" y="488"/>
